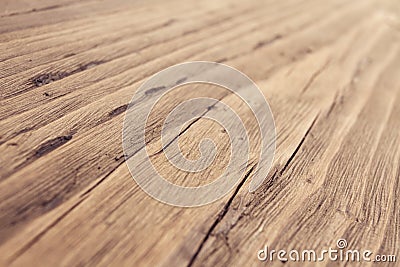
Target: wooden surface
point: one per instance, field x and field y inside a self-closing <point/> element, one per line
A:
<point x="329" y="69"/>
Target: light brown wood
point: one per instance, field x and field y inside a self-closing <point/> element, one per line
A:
<point x="329" y="70"/>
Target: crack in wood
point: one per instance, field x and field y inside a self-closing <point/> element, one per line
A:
<point x="226" y="207"/>
<point x="220" y="216"/>
<point x="299" y="145"/>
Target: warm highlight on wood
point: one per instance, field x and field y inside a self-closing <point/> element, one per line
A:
<point x="329" y="69"/>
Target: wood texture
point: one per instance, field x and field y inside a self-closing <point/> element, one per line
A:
<point x="329" y="69"/>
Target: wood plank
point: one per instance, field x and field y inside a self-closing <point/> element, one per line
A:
<point x="329" y="72"/>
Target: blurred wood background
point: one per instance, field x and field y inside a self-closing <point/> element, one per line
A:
<point x="329" y="69"/>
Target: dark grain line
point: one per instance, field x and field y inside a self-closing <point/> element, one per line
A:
<point x="51" y="145"/>
<point x="33" y="10"/>
<point x="42" y="233"/>
<point x="314" y="76"/>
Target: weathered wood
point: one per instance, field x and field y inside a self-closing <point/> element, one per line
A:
<point x="68" y="71"/>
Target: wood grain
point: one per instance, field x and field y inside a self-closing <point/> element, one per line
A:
<point x="330" y="71"/>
